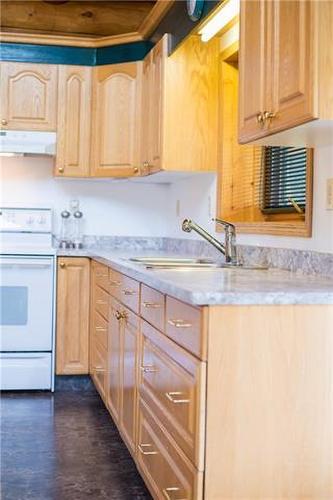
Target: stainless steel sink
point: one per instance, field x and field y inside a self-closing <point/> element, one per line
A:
<point x="175" y="263"/>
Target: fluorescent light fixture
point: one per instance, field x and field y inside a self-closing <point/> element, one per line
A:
<point x="223" y="16"/>
<point x="11" y="154"/>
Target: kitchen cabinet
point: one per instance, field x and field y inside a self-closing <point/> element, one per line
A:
<point x="115" y="120"/>
<point x="179" y="107"/>
<point x="286" y="72"/>
<point x="193" y="437"/>
<point x="74" y="121"/>
<point x="28" y="96"/>
<point x="72" y="340"/>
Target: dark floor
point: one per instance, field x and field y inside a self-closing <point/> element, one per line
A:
<point x="63" y="447"/>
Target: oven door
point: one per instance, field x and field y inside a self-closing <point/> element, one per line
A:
<point x="26" y="303"/>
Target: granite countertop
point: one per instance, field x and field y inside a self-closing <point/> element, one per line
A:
<point x="217" y="286"/>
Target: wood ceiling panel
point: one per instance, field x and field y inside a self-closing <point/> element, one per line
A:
<point x="75" y="17"/>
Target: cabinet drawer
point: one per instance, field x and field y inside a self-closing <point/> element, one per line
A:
<point x="101" y="273"/>
<point x="100" y="329"/>
<point x="172" y="382"/>
<point x="130" y="293"/>
<point x="185" y="325"/>
<point x="152" y="307"/>
<point x="99" y="367"/>
<point x="101" y="302"/>
<point x="115" y="283"/>
<point x="168" y="474"/>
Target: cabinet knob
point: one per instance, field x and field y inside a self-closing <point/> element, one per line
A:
<point x="269" y="115"/>
<point x="260" y="118"/>
<point x="61" y="170"/>
<point x="145" y="164"/>
<point x="62" y="265"/>
<point x="4" y="122"/>
<point x="136" y="170"/>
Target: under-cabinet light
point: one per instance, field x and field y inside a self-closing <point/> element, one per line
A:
<point x="11" y="154"/>
<point x="223" y="16"/>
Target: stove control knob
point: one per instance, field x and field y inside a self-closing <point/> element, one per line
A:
<point x="41" y="220"/>
<point x="30" y="221"/>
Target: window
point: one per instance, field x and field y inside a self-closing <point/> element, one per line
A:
<point x="283" y="180"/>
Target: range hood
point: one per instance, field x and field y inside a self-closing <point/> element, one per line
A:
<point x="31" y="143"/>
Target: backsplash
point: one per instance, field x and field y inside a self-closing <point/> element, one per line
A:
<point x="300" y="261"/>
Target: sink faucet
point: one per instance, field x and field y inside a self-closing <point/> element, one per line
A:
<point x="228" y="249"/>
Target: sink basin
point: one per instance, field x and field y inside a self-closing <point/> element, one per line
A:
<point x="174" y="263"/>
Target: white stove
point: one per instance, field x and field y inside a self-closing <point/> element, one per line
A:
<point x="27" y="291"/>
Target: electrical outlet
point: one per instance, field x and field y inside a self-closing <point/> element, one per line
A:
<point x="329" y="194"/>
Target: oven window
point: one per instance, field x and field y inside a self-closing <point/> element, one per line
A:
<point x="13" y="305"/>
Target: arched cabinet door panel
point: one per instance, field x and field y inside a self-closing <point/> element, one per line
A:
<point x="115" y="121"/>
<point x="28" y="96"/>
<point x="74" y="121"/>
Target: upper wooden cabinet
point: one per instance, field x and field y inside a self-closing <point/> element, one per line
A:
<point x="74" y="121"/>
<point x="72" y="343"/>
<point x="286" y="72"/>
<point x="115" y="120"/>
<point x="179" y="107"/>
<point x="28" y="96"/>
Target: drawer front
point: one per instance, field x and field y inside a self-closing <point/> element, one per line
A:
<point x="100" y="329"/>
<point x="184" y="324"/>
<point x="172" y="382"/>
<point x="101" y="273"/>
<point x="102" y="302"/>
<point x="115" y="283"/>
<point x="130" y="293"/>
<point x="152" y="307"/>
<point x="99" y="367"/>
<point x="167" y="472"/>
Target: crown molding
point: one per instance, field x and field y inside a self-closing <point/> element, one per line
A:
<point x="145" y="30"/>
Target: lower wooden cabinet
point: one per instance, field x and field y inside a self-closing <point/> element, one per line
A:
<point x="123" y="366"/>
<point x="73" y="292"/>
<point x="166" y="470"/>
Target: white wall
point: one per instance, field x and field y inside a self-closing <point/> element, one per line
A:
<point x="197" y="200"/>
<point x="109" y="207"/>
<point x="138" y="209"/>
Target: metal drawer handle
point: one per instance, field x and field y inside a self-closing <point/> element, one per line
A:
<point x="129" y="292"/>
<point x="148" y="369"/>
<point x="146" y="445"/>
<point x="100" y="329"/>
<point x="114" y="283"/>
<point x="171" y="490"/>
<point x="120" y="315"/>
<point x="103" y="302"/>
<point x="179" y="323"/>
<point x="171" y="397"/>
<point x="151" y="305"/>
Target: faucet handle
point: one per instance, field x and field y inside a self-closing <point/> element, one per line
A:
<point x="225" y="224"/>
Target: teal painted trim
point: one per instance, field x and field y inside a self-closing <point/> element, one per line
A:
<point x="47" y="54"/>
<point x="81" y="56"/>
<point x="123" y="53"/>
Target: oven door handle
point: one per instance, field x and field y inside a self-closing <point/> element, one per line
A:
<point x="25" y="263"/>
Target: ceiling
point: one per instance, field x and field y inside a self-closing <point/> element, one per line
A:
<point x="91" y="18"/>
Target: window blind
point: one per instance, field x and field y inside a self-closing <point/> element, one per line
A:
<point x="283" y="184"/>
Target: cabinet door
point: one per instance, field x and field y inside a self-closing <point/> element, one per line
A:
<point x="74" y="121"/>
<point x="130" y="336"/>
<point x="115" y="120"/>
<point x="72" y="334"/>
<point x="114" y="360"/>
<point x="28" y="96"/>
<point x="146" y="113"/>
<point x="293" y="64"/>
<point x="156" y="95"/>
<point x="254" y="68"/>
